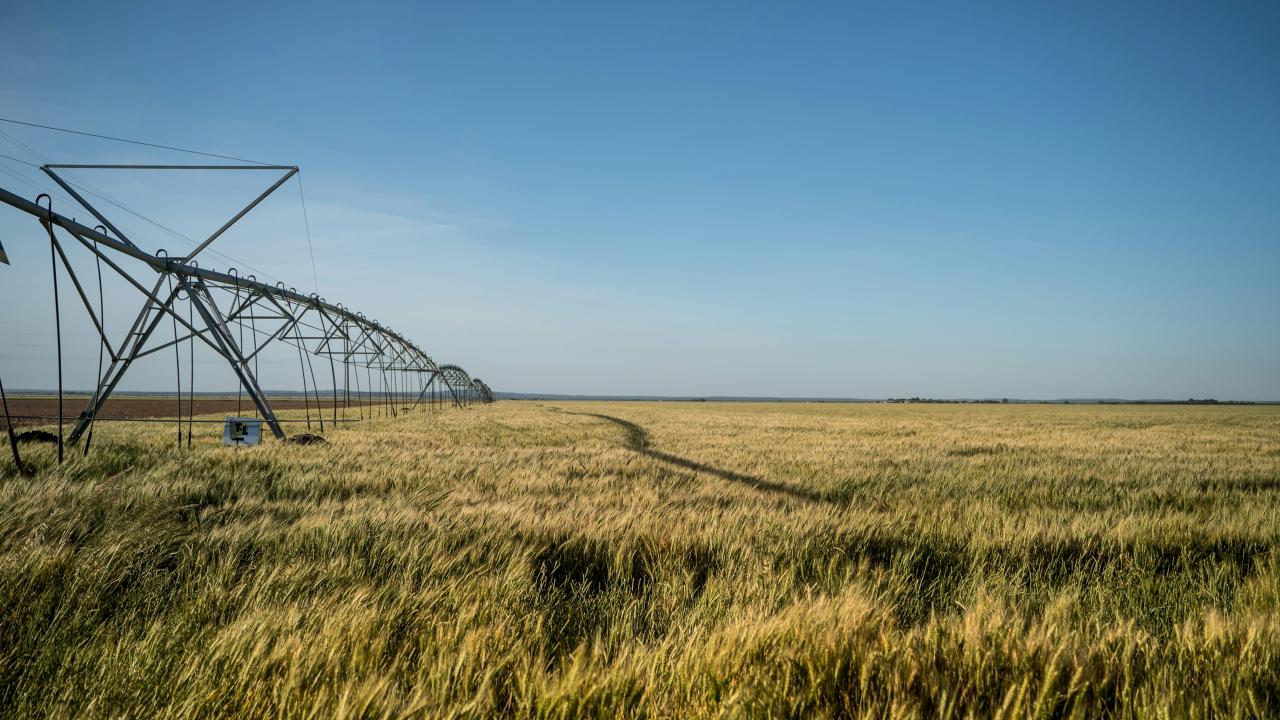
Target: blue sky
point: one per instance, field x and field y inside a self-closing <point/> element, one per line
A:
<point x="869" y="200"/>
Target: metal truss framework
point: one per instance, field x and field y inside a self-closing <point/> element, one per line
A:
<point x="223" y="306"/>
<point x="473" y="388"/>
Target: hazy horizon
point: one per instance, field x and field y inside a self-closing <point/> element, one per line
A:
<point x="326" y="394"/>
<point x="827" y="201"/>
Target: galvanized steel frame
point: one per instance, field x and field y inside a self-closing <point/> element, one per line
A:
<point x="307" y="322"/>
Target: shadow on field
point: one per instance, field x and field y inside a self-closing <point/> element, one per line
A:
<point x="638" y="441"/>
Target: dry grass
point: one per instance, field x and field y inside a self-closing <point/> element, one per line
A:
<point x="615" y="559"/>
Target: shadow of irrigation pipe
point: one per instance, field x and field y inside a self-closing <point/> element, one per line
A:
<point x="638" y="441"/>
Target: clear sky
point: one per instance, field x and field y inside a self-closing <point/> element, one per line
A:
<point x="818" y="199"/>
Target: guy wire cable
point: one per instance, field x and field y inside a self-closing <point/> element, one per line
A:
<point x="102" y="319"/>
<point x="57" y="313"/>
<point x="302" y="370"/>
<point x="132" y="142"/>
<point x="177" y="357"/>
<point x="8" y="425"/>
<point x="191" y="369"/>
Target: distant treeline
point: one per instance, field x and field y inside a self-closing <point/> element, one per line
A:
<point x="989" y="401"/>
<point x="914" y="400"/>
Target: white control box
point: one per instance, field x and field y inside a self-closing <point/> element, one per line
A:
<point x="242" y="431"/>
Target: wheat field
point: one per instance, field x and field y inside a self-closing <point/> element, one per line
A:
<point x="604" y="559"/>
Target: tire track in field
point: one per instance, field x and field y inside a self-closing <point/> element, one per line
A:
<point x="638" y="441"/>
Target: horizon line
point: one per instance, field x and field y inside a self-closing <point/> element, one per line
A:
<point x="508" y="395"/>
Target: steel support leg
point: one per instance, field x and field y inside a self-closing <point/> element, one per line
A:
<point x="222" y="335"/>
<point x="141" y="329"/>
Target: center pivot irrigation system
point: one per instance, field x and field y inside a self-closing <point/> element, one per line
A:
<point x="236" y="316"/>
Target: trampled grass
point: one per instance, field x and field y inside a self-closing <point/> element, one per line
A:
<point x="657" y="559"/>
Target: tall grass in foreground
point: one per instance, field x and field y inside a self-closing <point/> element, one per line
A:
<point x="613" y="559"/>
